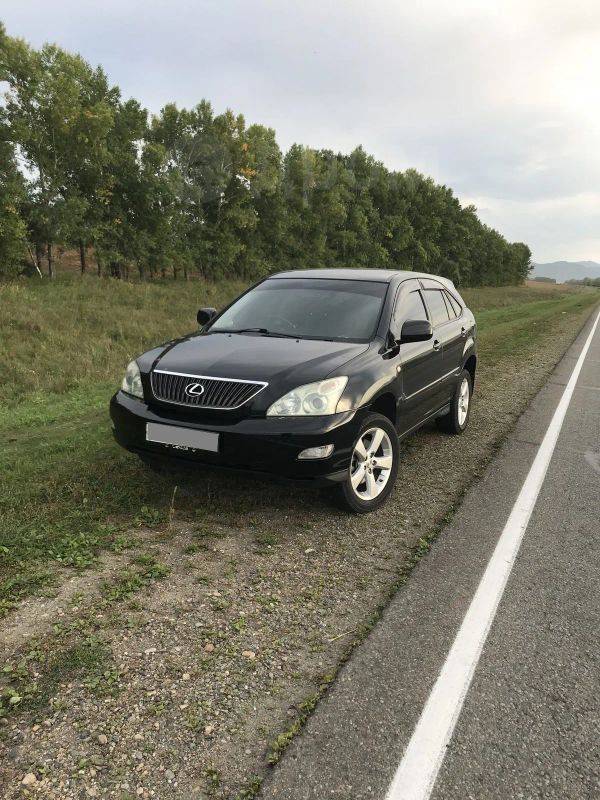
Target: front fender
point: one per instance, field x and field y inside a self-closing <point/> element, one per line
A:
<point x="364" y="388"/>
<point x="469" y="349"/>
<point x="372" y="373"/>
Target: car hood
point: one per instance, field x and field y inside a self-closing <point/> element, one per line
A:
<point x="285" y="362"/>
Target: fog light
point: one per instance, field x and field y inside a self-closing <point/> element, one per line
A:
<point x="323" y="451"/>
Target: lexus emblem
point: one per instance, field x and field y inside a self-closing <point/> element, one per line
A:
<point x="194" y="389"/>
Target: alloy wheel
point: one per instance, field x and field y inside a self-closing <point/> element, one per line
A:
<point x="463" y="402"/>
<point x="371" y="464"/>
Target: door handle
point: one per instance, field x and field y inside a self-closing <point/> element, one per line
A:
<point x="437" y="345"/>
<point x="463" y="332"/>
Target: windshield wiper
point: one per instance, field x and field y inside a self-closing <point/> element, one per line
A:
<point x="263" y="331"/>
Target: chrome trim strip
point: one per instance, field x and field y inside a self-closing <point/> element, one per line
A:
<point x="209" y="377"/>
<point x="429" y="385"/>
<point x="261" y="385"/>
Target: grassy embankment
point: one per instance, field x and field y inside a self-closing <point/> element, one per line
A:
<point x="67" y="491"/>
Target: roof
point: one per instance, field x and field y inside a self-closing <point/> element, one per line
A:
<point x="378" y="275"/>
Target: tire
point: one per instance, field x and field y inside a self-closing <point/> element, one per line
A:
<point x="457" y="420"/>
<point x="372" y="492"/>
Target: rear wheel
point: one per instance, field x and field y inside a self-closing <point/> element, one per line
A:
<point x="460" y="408"/>
<point x="373" y="466"/>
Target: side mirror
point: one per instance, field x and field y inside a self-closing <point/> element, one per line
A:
<point x="205" y="315"/>
<point x="415" y="330"/>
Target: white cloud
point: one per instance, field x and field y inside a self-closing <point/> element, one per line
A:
<point x="500" y="100"/>
<point x="567" y="225"/>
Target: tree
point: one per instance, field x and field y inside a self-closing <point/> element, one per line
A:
<point x="87" y="163"/>
<point x="60" y="113"/>
<point x="41" y="109"/>
<point x="120" y="233"/>
<point x="197" y="191"/>
<point x="263" y="173"/>
<point x="12" y="227"/>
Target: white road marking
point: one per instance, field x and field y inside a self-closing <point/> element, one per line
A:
<point x="423" y="757"/>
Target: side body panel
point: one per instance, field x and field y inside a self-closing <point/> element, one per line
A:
<point x="450" y="333"/>
<point x="422" y="367"/>
<point x="419" y="377"/>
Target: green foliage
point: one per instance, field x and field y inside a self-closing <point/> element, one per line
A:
<point x="251" y="789"/>
<point x="582" y="282"/>
<point x="58" y="112"/>
<point x="12" y="226"/>
<point x="38" y="674"/>
<point x="193" y="192"/>
<point x="284" y="739"/>
<point x="134" y="579"/>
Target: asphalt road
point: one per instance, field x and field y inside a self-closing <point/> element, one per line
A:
<point x="530" y="723"/>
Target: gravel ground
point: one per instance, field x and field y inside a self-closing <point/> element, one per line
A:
<point x="179" y="685"/>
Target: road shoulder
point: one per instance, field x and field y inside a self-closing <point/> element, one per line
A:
<point x="353" y="743"/>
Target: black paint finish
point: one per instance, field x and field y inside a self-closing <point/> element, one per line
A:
<point x="409" y="383"/>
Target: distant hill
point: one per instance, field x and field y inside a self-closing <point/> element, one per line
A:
<point x="563" y="271"/>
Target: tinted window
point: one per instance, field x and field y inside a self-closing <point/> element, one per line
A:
<point x="449" y="308"/>
<point x="437" y="307"/>
<point x="453" y="306"/>
<point x="411" y="306"/>
<point x="309" y="308"/>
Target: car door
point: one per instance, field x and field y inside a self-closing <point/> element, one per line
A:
<point x="446" y="337"/>
<point x="420" y="362"/>
<point x="455" y="335"/>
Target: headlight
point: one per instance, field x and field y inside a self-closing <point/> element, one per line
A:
<point x="313" y="399"/>
<point x="132" y="382"/>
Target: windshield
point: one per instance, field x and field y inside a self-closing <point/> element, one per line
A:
<point x="307" y="308"/>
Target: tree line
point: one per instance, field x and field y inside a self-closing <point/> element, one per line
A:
<point x="585" y="282"/>
<point x="190" y="192"/>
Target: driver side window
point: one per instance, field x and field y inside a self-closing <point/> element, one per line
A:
<point x="409" y="306"/>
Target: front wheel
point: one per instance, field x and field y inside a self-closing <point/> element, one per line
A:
<point x="460" y="407"/>
<point x="373" y="466"/>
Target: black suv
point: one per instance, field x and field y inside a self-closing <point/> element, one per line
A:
<point x="310" y="375"/>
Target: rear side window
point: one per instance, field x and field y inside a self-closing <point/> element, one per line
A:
<point x="452" y="305"/>
<point x="437" y="306"/>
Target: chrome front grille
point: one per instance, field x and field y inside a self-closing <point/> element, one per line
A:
<point x="202" y="391"/>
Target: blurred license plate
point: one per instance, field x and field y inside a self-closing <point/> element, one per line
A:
<point x="182" y="437"/>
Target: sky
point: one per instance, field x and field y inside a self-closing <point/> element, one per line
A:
<point x="498" y="100"/>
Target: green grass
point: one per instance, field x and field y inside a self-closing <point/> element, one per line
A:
<point x="489" y="297"/>
<point x="67" y="491"/>
<point x="133" y="580"/>
<point x="29" y="686"/>
<point x="59" y="335"/>
<point x="507" y="331"/>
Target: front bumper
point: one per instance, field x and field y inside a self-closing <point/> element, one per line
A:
<point x="263" y="445"/>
